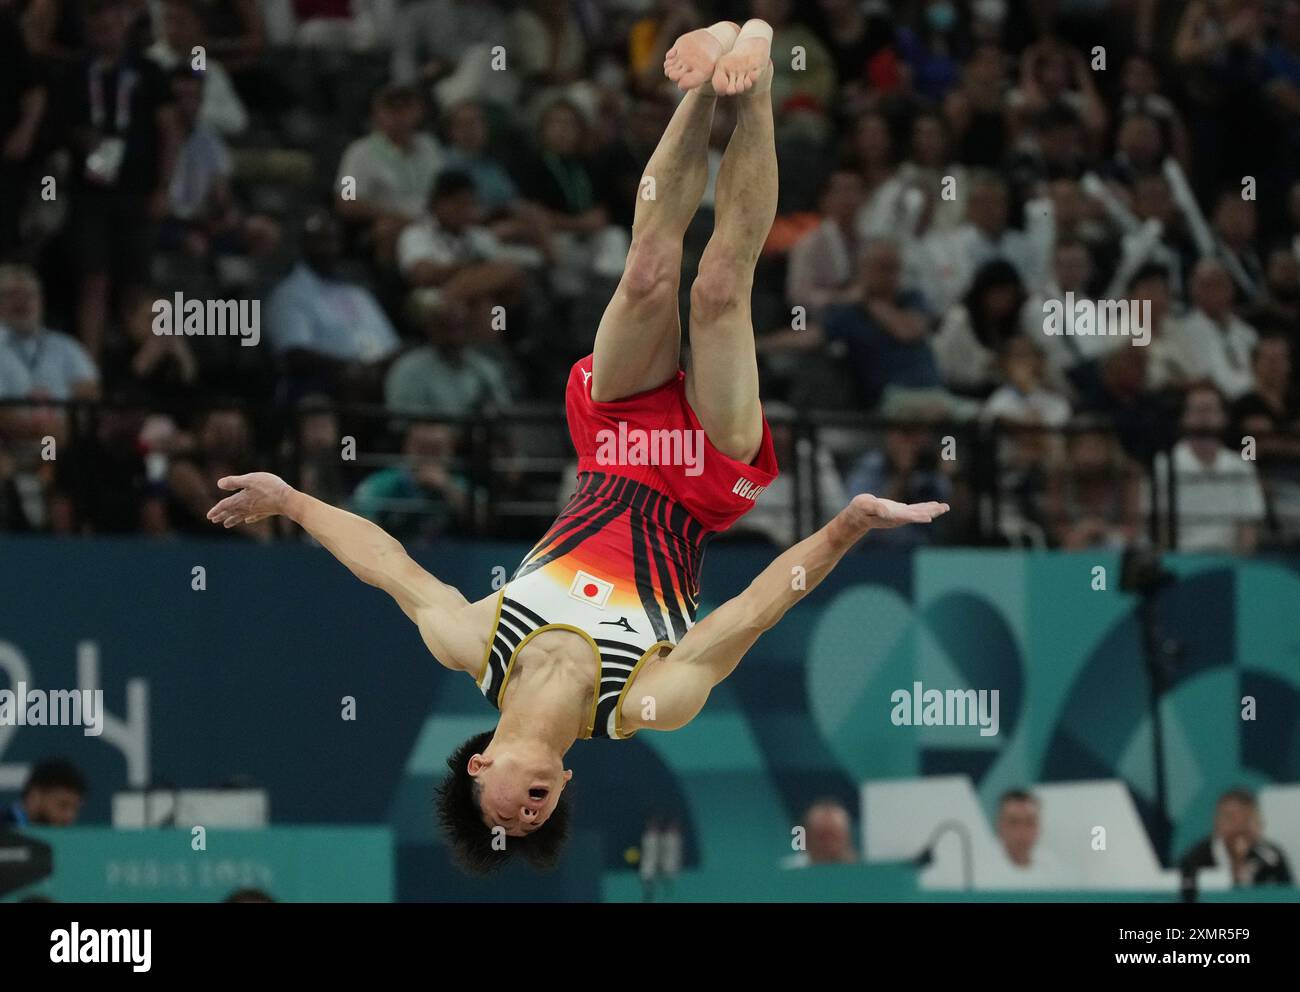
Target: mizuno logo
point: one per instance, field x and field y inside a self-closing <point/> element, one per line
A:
<point x="621" y="622"/>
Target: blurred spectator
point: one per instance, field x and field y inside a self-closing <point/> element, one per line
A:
<point x="556" y="176"/>
<point x="23" y="99"/>
<point x="904" y="469"/>
<point x="182" y="32"/>
<point x="1166" y="366"/>
<point x="1024" y="401"/>
<point x="249" y="895"/>
<point x="828" y="834"/>
<point x="432" y="36"/>
<point x="450" y="250"/>
<point x="222" y="446"/>
<point x="466" y="126"/>
<point x="823" y="265"/>
<point x="946" y="262"/>
<point x="385" y="177"/>
<point x="447" y="377"/>
<point x="547" y="45"/>
<point x="125" y="135"/>
<point x="888" y="209"/>
<point x="420" y="498"/>
<point x="159" y="367"/>
<point x="319" y="451"/>
<point x="802" y="94"/>
<point x="929" y="166"/>
<point x="353" y="25"/>
<point x="51" y="797"/>
<point x="1093" y="492"/>
<point x="1024" y="397"/>
<point x="1237" y="843"/>
<point x="1072" y="272"/>
<point x="1280" y="300"/>
<point x="977" y="111"/>
<point x="1115" y="388"/>
<point x="884" y="330"/>
<point x="1027" y="864"/>
<point x="1270" y="413"/>
<point x="972" y="332"/>
<point x="331" y="334"/>
<point x="50" y="365"/>
<point x="108" y="488"/>
<point x="203" y="216"/>
<point x="1219" y="503"/>
<point x="1235" y="229"/>
<point x="1214" y="341"/>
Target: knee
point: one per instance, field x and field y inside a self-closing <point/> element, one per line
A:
<point x="719" y="289"/>
<point x="653" y="268"/>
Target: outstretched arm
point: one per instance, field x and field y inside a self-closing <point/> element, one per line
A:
<point x="445" y="618"/>
<point x="680" y="684"/>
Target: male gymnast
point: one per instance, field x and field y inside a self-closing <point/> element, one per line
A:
<point x="595" y="635"/>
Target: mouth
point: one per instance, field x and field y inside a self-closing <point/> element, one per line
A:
<point x="538" y="793"/>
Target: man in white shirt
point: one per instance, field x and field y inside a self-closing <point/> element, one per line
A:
<point x="450" y="250"/>
<point x="1215" y="342"/>
<point x="944" y="263"/>
<point x="384" y="177"/>
<point x="180" y="30"/>
<point x="1218" y="499"/>
<point x="1026" y="863"/>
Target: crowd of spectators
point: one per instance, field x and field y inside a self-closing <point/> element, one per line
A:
<point x="430" y="202"/>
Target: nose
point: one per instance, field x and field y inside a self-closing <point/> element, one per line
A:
<point x="530" y="813"/>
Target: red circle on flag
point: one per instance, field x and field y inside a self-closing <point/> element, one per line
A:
<point x="590" y="589"/>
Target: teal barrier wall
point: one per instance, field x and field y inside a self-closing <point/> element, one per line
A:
<point x="294" y="864"/>
<point x="247" y="677"/>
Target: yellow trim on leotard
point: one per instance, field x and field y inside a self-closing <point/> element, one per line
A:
<point x="600" y="666"/>
<point x="492" y="636"/>
<point x="618" y="707"/>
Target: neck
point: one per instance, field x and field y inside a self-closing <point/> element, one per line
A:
<point x="546" y="705"/>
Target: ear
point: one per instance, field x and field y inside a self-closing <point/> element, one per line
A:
<point x="477" y="763"/>
<point x="568" y="774"/>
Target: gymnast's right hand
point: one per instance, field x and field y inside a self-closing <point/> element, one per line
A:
<point x="260" y="495"/>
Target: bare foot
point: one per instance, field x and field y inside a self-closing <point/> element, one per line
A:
<point x="691" y="60"/>
<point x="747" y="66"/>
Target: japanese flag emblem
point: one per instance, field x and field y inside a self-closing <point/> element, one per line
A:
<point x="590" y="589"/>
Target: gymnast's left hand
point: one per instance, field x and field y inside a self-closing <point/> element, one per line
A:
<point x="260" y="495"/>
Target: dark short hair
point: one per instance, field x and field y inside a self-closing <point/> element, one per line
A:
<point x="249" y="895"/>
<point x="1017" y="796"/>
<point x="394" y="96"/>
<point x="461" y="818"/>
<point x="55" y="773"/>
<point x="453" y="182"/>
<point x="1238" y="794"/>
<point x="1149" y="270"/>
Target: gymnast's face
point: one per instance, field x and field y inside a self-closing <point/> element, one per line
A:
<point x="518" y="789"/>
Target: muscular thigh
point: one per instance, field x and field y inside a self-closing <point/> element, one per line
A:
<point x="722" y="384"/>
<point x="638" y="343"/>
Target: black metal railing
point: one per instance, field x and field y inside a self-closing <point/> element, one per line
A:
<point x="1005" y="481"/>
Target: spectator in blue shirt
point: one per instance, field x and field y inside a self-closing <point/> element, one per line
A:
<point x="38" y="362"/>
<point x="331" y="334"/>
